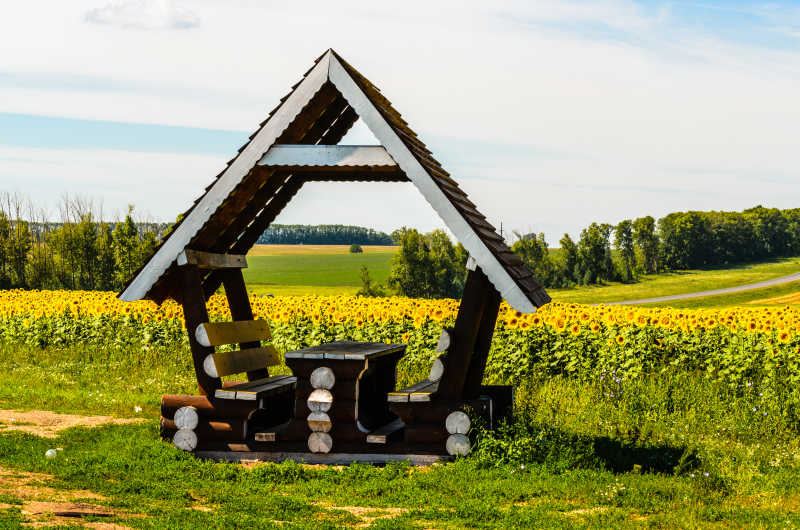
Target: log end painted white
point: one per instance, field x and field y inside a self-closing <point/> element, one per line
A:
<point x="323" y="377"/>
<point x="457" y="423"/>
<point x="185" y="439"/>
<point x="319" y="422"/>
<point x="445" y="340"/>
<point x="320" y="442"/>
<point x="458" y="445"/>
<point x="320" y="400"/>
<point x="201" y="335"/>
<point x="186" y="418"/>
<point x="437" y="370"/>
<point x="210" y="367"/>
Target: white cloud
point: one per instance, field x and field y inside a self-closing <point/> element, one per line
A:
<point x="144" y="14"/>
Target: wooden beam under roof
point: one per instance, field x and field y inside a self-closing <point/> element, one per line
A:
<point x="327" y="156"/>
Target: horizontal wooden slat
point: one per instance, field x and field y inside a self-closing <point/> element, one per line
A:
<point x="252" y="390"/>
<point x="326" y="155"/>
<point x="421" y="391"/>
<point x="211" y="260"/>
<point x="250" y="359"/>
<point x="217" y="333"/>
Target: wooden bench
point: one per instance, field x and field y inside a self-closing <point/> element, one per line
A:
<point x="251" y="358"/>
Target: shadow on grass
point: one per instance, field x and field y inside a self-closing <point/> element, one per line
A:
<point x="665" y="459"/>
<point x="559" y="450"/>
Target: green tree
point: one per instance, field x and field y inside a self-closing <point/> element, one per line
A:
<point x="535" y="254"/>
<point x="104" y="247"/>
<point x="126" y="248"/>
<point x="569" y="267"/>
<point x="623" y="240"/>
<point x="85" y="244"/>
<point x="19" y="245"/>
<point x="595" y="263"/>
<point x="646" y="239"/>
<point x="5" y="235"/>
<point x="355" y="248"/>
<point x="427" y="266"/>
<point x="368" y="285"/>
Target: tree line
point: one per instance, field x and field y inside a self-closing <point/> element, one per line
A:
<point x="79" y="251"/>
<point x="430" y="266"/>
<point x="677" y="241"/>
<point x="323" y="235"/>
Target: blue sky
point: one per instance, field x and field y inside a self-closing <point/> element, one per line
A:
<point x="551" y="114"/>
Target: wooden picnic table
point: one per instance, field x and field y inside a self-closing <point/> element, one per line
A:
<point x="341" y="394"/>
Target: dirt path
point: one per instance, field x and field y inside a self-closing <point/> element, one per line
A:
<point x="738" y="289"/>
<point x="47" y="424"/>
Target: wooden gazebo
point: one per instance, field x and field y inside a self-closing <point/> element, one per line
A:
<point x="341" y="403"/>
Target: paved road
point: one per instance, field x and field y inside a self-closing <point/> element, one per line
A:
<point x="727" y="290"/>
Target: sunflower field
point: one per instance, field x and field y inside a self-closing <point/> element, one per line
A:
<point x="739" y="346"/>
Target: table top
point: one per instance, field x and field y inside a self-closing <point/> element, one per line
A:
<point x="346" y="351"/>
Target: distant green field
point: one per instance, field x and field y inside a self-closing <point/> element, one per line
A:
<point x="690" y="282"/>
<point x="332" y="269"/>
<point x="314" y="269"/>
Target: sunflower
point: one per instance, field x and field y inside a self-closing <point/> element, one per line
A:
<point x="575" y="329"/>
<point x="783" y="337"/>
<point x="620" y="340"/>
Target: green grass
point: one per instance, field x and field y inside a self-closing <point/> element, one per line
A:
<point x="314" y="269"/>
<point x="670" y="450"/>
<point x="682" y="282"/>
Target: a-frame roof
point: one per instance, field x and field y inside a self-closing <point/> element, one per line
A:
<point x="248" y="194"/>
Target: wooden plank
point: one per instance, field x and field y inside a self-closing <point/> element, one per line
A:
<point x="253" y="390"/>
<point x="421" y="391"/>
<point x="465" y="333"/>
<point x="483" y="343"/>
<point x="195" y="312"/>
<point x="323" y="458"/>
<point x="387" y="433"/>
<point x="170" y="403"/>
<point x="249" y="360"/>
<point x="284" y="115"/>
<point x="239" y="303"/>
<point x="212" y="260"/>
<point x="266" y="436"/>
<point x="327" y="155"/>
<point x="241" y="331"/>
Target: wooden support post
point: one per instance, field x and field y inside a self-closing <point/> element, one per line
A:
<point x="195" y="313"/>
<point x="239" y="302"/>
<point x="483" y="344"/>
<point x="465" y="332"/>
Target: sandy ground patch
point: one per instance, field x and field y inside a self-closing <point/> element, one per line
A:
<point x="47" y="424"/>
<point x="30" y="486"/>
<point x="46" y="506"/>
<point x="365" y="513"/>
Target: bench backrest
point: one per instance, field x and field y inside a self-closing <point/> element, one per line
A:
<point x="248" y="334"/>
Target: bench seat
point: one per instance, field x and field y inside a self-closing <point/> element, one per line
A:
<point x="422" y="391"/>
<point x="260" y="388"/>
